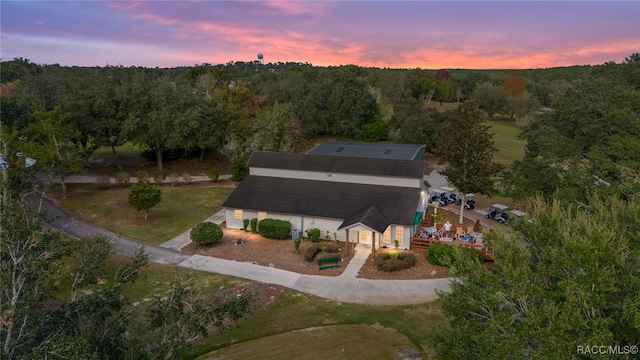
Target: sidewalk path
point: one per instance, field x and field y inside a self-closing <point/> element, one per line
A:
<point x="344" y="288"/>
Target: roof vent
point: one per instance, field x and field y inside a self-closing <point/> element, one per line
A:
<point x="339" y="149"/>
<point x="388" y="152"/>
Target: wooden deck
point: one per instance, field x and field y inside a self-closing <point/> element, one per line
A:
<point x="423" y="243"/>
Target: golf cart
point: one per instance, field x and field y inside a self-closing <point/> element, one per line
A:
<point x="498" y="212"/>
<point x="450" y="194"/>
<point x="518" y="214"/>
<point x="439" y="196"/>
<point x="469" y="202"/>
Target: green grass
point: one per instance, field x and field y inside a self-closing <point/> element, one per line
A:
<point x="294" y="311"/>
<point x="329" y="342"/>
<point x="510" y="148"/>
<point x="365" y="331"/>
<point x="180" y="210"/>
<point x="154" y="279"/>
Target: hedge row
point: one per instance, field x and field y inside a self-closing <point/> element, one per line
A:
<point x="444" y="254"/>
<point x="274" y="229"/>
<point x="395" y="261"/>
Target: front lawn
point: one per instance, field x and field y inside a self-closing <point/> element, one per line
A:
<point x="180" y="209"/>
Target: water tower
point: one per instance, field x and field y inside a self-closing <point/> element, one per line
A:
<point x="260" y="58"/>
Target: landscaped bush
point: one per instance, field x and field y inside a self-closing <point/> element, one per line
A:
<point x="159" y="176"/>
<point x="142" y="175"/>
<point x="103" y="181"/>
<point x="311" y="252"/>
<point x="174" y="179"/>
<point x="444" y="254"/>
<point x="123" y="178"/>
<point x="395" y="261"/>
<point x="245" y="224"/>
<point x="206" y="233"/>
<point x="187" y="178"/>
<point x="254" y="225"/>
<point x="313" y="234"/>
<point x="213" y="174"/>
<point x="274" y="229"/>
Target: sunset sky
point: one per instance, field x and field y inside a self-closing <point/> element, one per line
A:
<point x="393" y="34"/>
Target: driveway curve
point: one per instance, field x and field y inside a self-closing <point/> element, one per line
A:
<point x="344" y="288"/>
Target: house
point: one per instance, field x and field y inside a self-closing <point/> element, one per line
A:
<point x="366" y="199"/>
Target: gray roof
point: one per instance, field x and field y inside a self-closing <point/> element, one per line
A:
<point x="370" y="217"/>
<point x="332" y="164"/>
<point x="368" y="150"/>
<point x="324" y="199"/>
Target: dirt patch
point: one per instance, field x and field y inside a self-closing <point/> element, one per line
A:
<point x="281" y="254"/>
<point x="421" y="270"/>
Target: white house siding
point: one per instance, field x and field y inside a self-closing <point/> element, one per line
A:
<point x="304" y="223"/>
<point x="339" y="177"/>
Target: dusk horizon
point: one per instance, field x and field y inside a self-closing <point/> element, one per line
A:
<point x="479" y="35"/>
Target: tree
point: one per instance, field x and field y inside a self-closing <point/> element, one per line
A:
<point x="157" y="109"/>
<point x="490" y="98"/>
<point x="466" y="144"/>
<point x="521" y="106"/>
<point x="143" y="196"/>
<point x="101" y="323"/>
<point x="52" y="140"/>
<point x="29" y="250"/>
<point x="418" y="125"/>
<point x="514" y="85"/>
<point x="591" y="140"/>
<point x="567" y="278"/>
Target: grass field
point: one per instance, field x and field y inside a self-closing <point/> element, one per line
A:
<point x="179" y="210"/>
<point x="510" y="148"/>
<point x="319" y="343"/>
<point x="295" y="311"/>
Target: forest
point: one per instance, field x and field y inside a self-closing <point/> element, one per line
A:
<point x="240" y="107"/>
<point x="569" y="277"/>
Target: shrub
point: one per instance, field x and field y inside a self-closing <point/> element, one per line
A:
<point x="206" y="233"/>
<point x="394" y="262"/>
<point x="213" y="174"/>
<point x="444" y="254"/>
<point x="159" y="176"/>
<point x="313" y="234"/>
<point x="311" y="252"/>
<point x="142" y="175"/>
<point x="254" y="225"/>
<point x="103" y="181"/>
<point x="296" y="244"/>
<point x="245" y="224"/>
<point x="143" y="196"/>
<point x="274" y="229"/>
<point x="187" y="178"/>
<point x="324" y="248"/>
<point x="123" y="178"/>
<point x="174" y="179"/>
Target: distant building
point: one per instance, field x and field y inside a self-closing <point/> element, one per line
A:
<point x="364" y="193"/>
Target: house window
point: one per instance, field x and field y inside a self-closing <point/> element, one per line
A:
<point x="399" y="233"/>
<point x="237" y="214"/>
<point x="386" y="237"/>
<point x="262" y="215"/>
